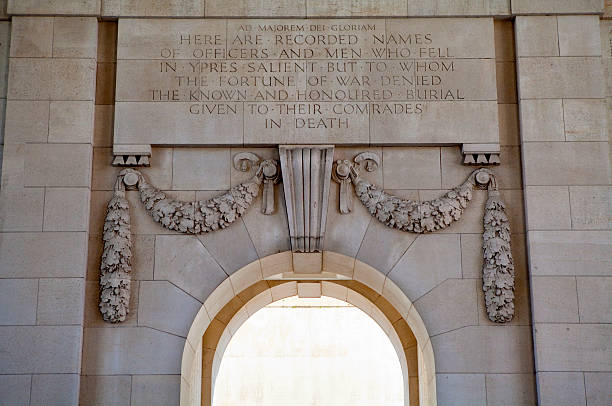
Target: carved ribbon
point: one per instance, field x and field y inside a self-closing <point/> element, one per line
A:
<point x="195" y="217"/>
<point x="430" y="216"/>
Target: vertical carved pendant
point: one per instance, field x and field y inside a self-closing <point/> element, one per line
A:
<point x="306" y="173"/>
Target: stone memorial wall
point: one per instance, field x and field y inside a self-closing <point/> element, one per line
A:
<point x="400" y="81"/>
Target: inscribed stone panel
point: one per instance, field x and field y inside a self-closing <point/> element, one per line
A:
<point x="400" y="81"/>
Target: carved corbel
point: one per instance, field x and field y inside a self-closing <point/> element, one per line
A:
<point x="131" y="155"/>
<point x="480" y="154"/>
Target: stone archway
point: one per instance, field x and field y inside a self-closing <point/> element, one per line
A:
<point x="273" y="278"/>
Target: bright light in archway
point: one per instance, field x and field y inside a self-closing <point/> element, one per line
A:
<point x="309" y="352"/>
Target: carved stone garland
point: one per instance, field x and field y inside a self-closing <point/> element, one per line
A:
<point x="196" y="217"/>
<point x="430" y="216"/>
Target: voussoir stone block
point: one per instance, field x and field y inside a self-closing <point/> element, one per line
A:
<point x="232" y="247"/>
<point x="173" y="314"/>
<point x="40" y="349"/>
<point x="18" y="302"/>
<point x="36" y="255"/>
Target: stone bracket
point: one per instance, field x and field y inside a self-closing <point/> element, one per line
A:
<point x="131" y="155"/>
<point x="480" y="154"/>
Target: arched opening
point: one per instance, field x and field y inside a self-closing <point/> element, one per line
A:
<point x="273" y="278"/>
<point x="309" y="351"/>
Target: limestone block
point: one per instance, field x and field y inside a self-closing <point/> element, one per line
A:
<point x="508" y="124"/>
<point x="73" y="79"/>
<point x="13" y="159"/>
<point x="369" y="276"/>
<point x="75" y="37"/>
<point x="411" y="168"/>
<point x="57" y="165"/>
<point x="5" y="30"/>
<point x="511" y="389"/>
<point x="254" y="8"/>
<point x="368" y="8"/>
<point x="585" y="120"/>
<point x="60" y="301"/>
<point x="455" y="8"/>
<point x="478" y="349"/>
<point x="185" y="262"/>
<point x="537" y="36"/>
<point x="55" y="389"/>
<point x="47" y="255"/>
<point x="277" y="263"/>
<point x="105" y="390"/>
<point x="20" y="125"/>
<point x="189" y="164"/>
<point x="15" y="389"/>
<point x="566" y="163"/>
<point x="29" y="79"/>
<point x="558" y="253"/>
<point x="598" y="386"/>
<point x="471" y="255"/>
<point x="40" y="349"/>
<point x="542" y="120"/>
<point x="594" y="299"/>
<point x="71" y="121"/>
<point x="334" y="290"/>
<point x="591" y="207"/>
<point x="556" y="6"/>
<point x="450" y="305"/>
<point x="245" y="277"/>
<point x="231" y="247"/>
<point x="222" y="295"/>
<point x="18" y="301"/>
<point x="563" y="77"/>
<point x="32" y="37"/>
<point x="579" y="35"/>
<point x="282" y="291"/>
<point x="66" y="209"/>
<point x="506" y="82"/>
<point x="504" y="40"/>
<point x="156" y="390"/>
<point x="561" y="388"/>
<point x="103" y="356"/>
<point x="429" y="261"/>
<point x="107" y="41"/>
<point x="395" y="244"/>
<point x="573" y="347"/>
<point x="103" y="126"/>
<point x="554" y="299"/>
<point x="461" y="389"/>
<point x="22" y="209"/>
<point x="105" y="83"/>
<point x="73" y="7"/>
<point x="548" y="208"/>
<point x="151" y="8"/>
<point x="165" y="307"/>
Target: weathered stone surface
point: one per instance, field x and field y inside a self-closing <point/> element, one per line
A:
<point x="548" y="208"/>
<point x="57" y="165"/>
<point x="438" y="254"/>
<point x="566" y="163"/>
<point x="570" y="253"/>
<point x="508" y="124"/>
<point x="103" y="125"/>
<point x="591" y="207"/>
<point x="40" y="349"/>
<point x="537" y="36"/>
<point x="75" y="37"/>
<point x="71" y="121"/>
<point x="453" y="8"/>
<point x="222" y="246"/>
<point x="461" y="389"/>
<point x="594" y="299"/>
<point x="554" y="300"/>
<point x="185" y="262"/>
<point x="22" y="209"/>
<point x="511" y="389"/>
<point x="66" y="209"/>
<point x="55" y="389"/>
<point x="102" y="355"/>
<point x="18" y="301"/>
<point x="561" y="388"/>
<point x="542" y="120"/>
<point x="479" y="349"/>
<point x="15" y="389"/>
<point x="563" y="77"/>
<point x="598" y="388"/>
<point x="254" y="8"/>
<point x="60" y="301"/>
<point x="151" y="8"/>
<point x="585" y="120"/>
<point x="556" y="6"/>
<point x="450" y="305"/>
<point x="411" y="168"/>
<point x="573" y="347"/>
<point x="45" y="255"/>
<point x="579" y="35"/>
<point x="188" y="165"/>
<point x="74" y="7"/>
<point x="165" y="307"/>
<point x="105" y="390"/>
<point x="18" y="130"/>
<point x="31" y="37"/>
<point x="367" y="8"/>
<point x="156" y="390"/>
